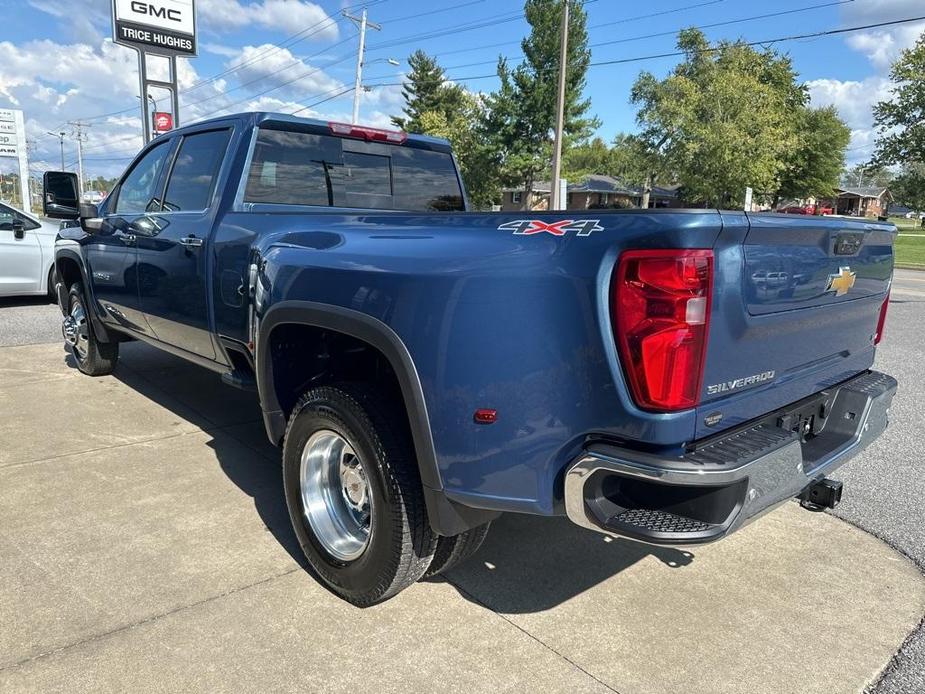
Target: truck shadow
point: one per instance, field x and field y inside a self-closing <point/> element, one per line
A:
<point x="527" y="564"/>
<point x="533" y="563"/>
<point x="230" y="417"/>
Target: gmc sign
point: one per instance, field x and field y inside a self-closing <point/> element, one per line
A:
<point x="166" y="27"/>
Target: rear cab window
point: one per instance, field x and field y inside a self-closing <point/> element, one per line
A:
<point x="306" y="168"/>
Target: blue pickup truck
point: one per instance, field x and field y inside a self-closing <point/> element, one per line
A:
<point x="658" y="375"/>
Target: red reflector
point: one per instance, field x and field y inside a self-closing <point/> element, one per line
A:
<point x="485" y="416"/>
<point x="882" y="320"/>
<point x="660" y="308"/>
<point x="378" y="134"/>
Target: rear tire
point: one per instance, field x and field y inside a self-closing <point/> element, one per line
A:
<point x="452" y="551"/>
<point x="93" y="357"/>
<point x="354" y="493"/>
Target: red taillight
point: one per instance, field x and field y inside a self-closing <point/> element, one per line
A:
<point x="660" y="307"/>
<point x="378" y="134"/>
<point x="882" y="320"/>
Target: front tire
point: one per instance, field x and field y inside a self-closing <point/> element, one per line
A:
<point x="354" y="493"/>
<point x="93" y="357"/>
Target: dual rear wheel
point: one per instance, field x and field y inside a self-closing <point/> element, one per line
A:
<point x="355" y="497"/>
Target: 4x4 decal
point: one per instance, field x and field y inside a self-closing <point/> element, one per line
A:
<point x="528" y="227"/>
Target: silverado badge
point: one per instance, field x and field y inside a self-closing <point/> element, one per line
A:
<point x="841" y="281"/>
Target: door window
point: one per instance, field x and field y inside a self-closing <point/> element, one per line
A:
<point x="139" y="190"/>
<point x="8" y="214"/>
<point x="195" y="169"/>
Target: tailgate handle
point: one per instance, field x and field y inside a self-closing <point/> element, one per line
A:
<point x="848" y="243"/>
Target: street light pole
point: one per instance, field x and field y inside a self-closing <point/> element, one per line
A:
<point x="362" y="22"/>
<point x="560" y="113"/>
<point x="60" y="137"/>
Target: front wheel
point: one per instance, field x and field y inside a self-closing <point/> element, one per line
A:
<point x="93" y="357"/>
<point x="354" y="493"/>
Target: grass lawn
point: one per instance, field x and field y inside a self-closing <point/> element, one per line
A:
<point x="908" y="226"/>
<point x="910" y="251"/>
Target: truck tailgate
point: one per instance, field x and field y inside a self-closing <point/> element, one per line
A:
<point x="798" y="263"/>
<point x="796" y="308"/>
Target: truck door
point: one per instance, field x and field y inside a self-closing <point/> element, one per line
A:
<point x="111" y="253"/>
<point x="20" y="253"/>
<point x="172" y="258"/>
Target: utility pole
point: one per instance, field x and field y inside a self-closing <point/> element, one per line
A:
<point x="60" y="137"/>
<point x="80" y="136"/>
<point x="362" y="22"/>
<point x="560" y="112"/>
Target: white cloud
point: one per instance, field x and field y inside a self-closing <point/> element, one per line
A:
<point x="854" y="100"/>
<point x="266" y="66"/>
<point x="883" y="45"/>
<point x="288" y="16"/>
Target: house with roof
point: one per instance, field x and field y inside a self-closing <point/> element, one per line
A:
<point x="592" y="192"/>
<point x="861" y="201"/>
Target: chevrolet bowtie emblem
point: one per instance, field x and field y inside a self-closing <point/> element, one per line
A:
<point x="841" y="281"/>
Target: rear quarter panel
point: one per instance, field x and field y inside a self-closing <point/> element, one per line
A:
<point x="491" y="319"/>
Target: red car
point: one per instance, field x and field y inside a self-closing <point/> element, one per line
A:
<point x="808" y="209"/>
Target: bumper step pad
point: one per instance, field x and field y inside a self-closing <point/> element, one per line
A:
<point x="655" y="521"/>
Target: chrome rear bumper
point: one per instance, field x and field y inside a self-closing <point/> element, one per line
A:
<point x="723" y="482"/>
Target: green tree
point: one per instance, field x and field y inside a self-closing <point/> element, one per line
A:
<point x="522" y="112"/>
<point x="900" y="120"/>
<point x="724" y="119"/>
<point x="478" y="164"/>
<point x="593" y="157"/>
<point x="908" y="187"/>
<point x="813" y="166"/>
<point x="427" y="91"/>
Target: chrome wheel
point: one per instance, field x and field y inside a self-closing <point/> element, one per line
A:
<point x="336" y="498"/>
<point x="76" y="331"/>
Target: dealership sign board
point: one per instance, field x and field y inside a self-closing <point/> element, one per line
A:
<point x="13" y="146"/>
<point x="162" y="27"/>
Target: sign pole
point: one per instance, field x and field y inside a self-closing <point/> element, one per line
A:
<point x="157" y="28"/>
<point x="174" y="95"/>
<point x="23" y="161"/>
<point x="143" y="91"/>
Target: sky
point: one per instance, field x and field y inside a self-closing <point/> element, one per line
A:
<point x="59" y="65"/>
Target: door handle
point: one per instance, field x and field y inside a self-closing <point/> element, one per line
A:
<point x="127" y="239"/>
<point x="191" y="242"/>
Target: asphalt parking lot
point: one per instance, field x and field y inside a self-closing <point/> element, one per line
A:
<point x="144" y="543"/>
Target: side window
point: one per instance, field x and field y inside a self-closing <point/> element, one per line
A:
<point x="138" y="192"/>
<point x="195" y="169"/>
<point x="8" y="214"/>
<point x="290" y="168"/>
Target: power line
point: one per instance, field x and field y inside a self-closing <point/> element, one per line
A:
<point x="654" y="56"/>
<point x="727" y="22"/>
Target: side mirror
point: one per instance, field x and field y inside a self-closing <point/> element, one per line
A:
<point x="90" y="219"/>
<point x="19" y="229"/>
<point x="60" y="196"/>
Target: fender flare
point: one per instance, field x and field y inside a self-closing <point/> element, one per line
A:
<point x="75" y="256"/>
<point x="370" y="330"/>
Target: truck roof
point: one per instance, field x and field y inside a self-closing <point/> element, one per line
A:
<point x="257" y="118"/>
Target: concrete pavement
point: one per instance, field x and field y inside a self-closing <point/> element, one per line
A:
<point x="885" y="486"/>
<point x="144" y="544"/>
